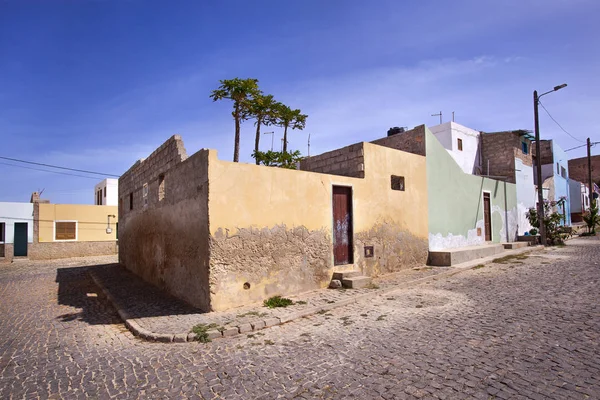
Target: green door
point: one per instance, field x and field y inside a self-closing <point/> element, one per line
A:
<point x="20" y="249"/>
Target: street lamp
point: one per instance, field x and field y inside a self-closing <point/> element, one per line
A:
<point x="540" y="205"/>
<point x="272" y="137"/>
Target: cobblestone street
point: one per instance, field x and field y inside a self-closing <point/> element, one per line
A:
<point x="523" y="328"/>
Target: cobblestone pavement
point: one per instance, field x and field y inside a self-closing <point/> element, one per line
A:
<point x="156" y="311"/>
<point x="525" y="328"/>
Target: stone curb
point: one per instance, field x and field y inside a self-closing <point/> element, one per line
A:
<point x="141" y="332"/>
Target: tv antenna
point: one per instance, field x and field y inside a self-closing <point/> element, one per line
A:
<point x="440" y="115"/>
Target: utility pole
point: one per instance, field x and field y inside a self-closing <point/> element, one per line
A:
<point x="538" y="156"/>
<point x="590" y="183"/>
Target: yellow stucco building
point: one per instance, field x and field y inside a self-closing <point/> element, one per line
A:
<point x="220" y="234"/>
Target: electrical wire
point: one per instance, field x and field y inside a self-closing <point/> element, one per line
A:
<point x="45" y="170"/>
<point x="578" y="147"/>
<point x="56" y="166"/>
<point x="559" y="125"/>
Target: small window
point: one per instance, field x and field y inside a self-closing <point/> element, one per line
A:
<point x="557" y="168"/>
<point x="161" y="187"/>
<point x="65" y="230"/>
<point x="563" y="172"/>
<point x="459" y="144"/>
<point x="145" y="194"/>
<point x="525" y="147"/>
<point x="398" y="183"/>
<point x="104" y="191"/>
<point x="2" y="227"/>
<point x="130" y="201"/>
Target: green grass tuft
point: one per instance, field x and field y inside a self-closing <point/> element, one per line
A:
<point x="278" y="301"/>
<point x="201" y="331"/>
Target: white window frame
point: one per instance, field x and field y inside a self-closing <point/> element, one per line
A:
<point x="65" y="240"/>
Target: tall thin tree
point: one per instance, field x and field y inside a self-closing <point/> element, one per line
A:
<point x="240" y="91"/>
<point x="261" y="109"/>
<point x="288" y="118"/>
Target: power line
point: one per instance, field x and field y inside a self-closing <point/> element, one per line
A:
<point x="583" y="145"/>
<point x="559" y="125"/>
<point x="56" y="166"/>
<point x="45" y="170"/>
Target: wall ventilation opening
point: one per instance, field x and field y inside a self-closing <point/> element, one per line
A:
<point x="161" y="187"/>
<point x="246" y="286"/>
<point x="398" y="183"/>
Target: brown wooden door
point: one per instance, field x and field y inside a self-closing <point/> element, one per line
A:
<point x="342" y="225"/>
<point x="487" y="217"/>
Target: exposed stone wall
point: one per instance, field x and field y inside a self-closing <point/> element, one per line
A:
<point x="412" y="141"/>
<point x="546" y="150"/>
<point x="281" y="260"/>
<point x="164" y="240"/>
<point x="578" y="169"/>
<point x="500" y="149"/>
<point x="52" y="250"/>
<point x="347" y="161"/>
<point x="394" y="249"/>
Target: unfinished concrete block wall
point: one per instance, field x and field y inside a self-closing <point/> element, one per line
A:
<point x="499" y="151"/>
<point x="412" y="141"/>
<point x="163" y="236"/>
<point x="546" y="150"/>
<point x="347" y="161"/>
<point x="578" y="169"/>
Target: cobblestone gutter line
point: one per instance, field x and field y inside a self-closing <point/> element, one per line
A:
<point x="135" y="325"/>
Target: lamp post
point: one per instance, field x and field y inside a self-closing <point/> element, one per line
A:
<point x="272" y="137"/>
<point x="540" y="205"/>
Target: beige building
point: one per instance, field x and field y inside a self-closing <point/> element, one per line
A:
<point x="57" y="230"/>
<point x="220" y="234"/>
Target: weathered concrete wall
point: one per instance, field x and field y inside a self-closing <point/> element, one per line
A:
<point x="7" y="252"/>
<point x="347" y="161"/>
<point x="52" y="250"/>
<point x="578" y="169"/>
<point x="271" y="228"/>
<point x="456" y="203"/>
<point x="412" y="141"/>
<point x="164" y="238"/>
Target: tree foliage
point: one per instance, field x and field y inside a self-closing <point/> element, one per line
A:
<point x="592" y="218"/>
<point x="281" y="159"/>
<point x="261" y="108"/>
<point x="240" y="91"/>
<point x="554" y="232"/>
<point x="286" y="117"/>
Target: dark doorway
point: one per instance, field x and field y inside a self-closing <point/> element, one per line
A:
<point x="342" y="226"/>
<point x="487" y="217"/>
<point x="20" y="249"/>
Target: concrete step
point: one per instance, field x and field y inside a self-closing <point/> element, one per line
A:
<point x="529" y="239"/>
<point x="356" y="282"/>
<point x="515" y="245"/>
<point x="449" y="257"/>
<point x="340" y="276"/>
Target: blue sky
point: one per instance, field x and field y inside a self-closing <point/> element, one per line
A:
<point x="96" y="85"/>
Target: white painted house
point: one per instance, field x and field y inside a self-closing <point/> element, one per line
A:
<point x="16" y="228"/>
<point x="462" y="144"/>
<point x="106" y="193"/>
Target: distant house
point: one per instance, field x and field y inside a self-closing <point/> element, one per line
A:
<point x="579" y="194"/>
<point x="505" y="156"/>
<point x="40" y="230"/>
<point x="106" y="193"/>
<point x="555" y="176"/>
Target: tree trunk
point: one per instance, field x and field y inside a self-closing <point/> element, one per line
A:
<point x="285" y="139"/>
<point x="236" y="146"/>
<point x="257" y="140"/>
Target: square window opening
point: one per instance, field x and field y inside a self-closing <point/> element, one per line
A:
<point x="460" y="146"/>
<point x="65" y="230"/>
<point x="161" y="187"/>
<point x="398" y="183"/>
<point x="525" y="147"/>
<point x="130" y="201"/>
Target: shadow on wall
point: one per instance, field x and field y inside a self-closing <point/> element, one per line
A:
<point x="76" y="288"/>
